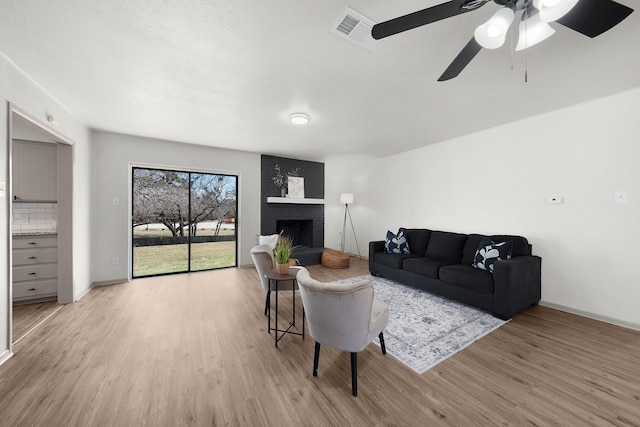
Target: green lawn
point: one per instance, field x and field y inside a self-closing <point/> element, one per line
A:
<point x="150" y="260"/>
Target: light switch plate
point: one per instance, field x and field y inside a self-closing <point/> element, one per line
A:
<point x="554" y="200"/>
<point x="621" y="196"/>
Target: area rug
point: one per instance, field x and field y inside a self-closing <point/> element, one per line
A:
<point x="424" y="329"/>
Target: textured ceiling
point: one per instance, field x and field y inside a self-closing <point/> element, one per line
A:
<point x="229" y="73"/>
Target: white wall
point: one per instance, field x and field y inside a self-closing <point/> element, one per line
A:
<point x="114" y="153"/>
<point x="17" y="88"/>
<point x="496" y="181"/>
<point x="340" y="178"/>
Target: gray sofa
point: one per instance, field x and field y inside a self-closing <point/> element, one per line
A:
<point x="441" y="262"/>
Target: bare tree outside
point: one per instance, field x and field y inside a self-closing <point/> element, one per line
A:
<point x="213" y="198"/>
<point x="161" y="196"/>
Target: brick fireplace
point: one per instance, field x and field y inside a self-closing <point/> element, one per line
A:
<point x="304" y="222"/>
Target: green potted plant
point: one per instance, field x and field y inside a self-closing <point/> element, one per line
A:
<point x="281" y="180"/>
<point x="284" y="247"/>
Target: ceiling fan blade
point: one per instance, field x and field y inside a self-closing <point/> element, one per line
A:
<point x="462" y="60"/>
<point x="594" y="17"/>
<point x="425" y="16"/>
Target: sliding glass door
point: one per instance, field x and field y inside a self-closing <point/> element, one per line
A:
<point x="182" y="221"/>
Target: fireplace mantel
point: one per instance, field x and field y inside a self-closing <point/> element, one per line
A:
<point x="295" y="201"/>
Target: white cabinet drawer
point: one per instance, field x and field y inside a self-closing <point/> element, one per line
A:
<point x="26" y="290"/>
<point x="34" y="242"/>
<point x="34" y="272"/>
<point x="35" y="256"/>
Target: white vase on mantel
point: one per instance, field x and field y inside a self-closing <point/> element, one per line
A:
<point x="283" y="192"/>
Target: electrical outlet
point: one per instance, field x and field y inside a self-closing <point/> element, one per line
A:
<point x="115" y="260"/>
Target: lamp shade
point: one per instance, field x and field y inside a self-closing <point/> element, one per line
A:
<point x="492" y="33"/>
<point x="346" y="198"/>
<point x="532" y="31"/>
<point x="551" y="10"/>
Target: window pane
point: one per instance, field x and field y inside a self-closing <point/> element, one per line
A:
<point x="213" y="215"/>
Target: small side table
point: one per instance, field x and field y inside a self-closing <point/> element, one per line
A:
<point x="274" y="281"/>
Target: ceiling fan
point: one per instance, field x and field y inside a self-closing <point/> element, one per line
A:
<point x="589" y="17"/>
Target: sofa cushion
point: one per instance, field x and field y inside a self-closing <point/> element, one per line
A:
<point x="417" y="239"/>
<point x="468" y="277"/>
<point x="470" y="248"/>
<point x="520" y="244"/>
<point x="392" y="260"/>
<point x="396" y="244"/>
<point x="489" y="252"/>
<point x="446" y="246"/>
<point x="424" y="266"/>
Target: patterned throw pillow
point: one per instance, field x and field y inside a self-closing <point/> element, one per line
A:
<point x="489" y="252"/>
<point x="396" y="244"/>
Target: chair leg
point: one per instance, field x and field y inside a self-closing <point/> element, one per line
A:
<point x="267" y="303"/>
<point x="382" y="347"/>
<point x="354" y="374"/>
<point x="316" y="356"/>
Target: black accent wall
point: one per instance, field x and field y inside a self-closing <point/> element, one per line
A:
<point x="313" y="174"/>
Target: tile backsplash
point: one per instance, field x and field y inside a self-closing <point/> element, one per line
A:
<point x="34" y="217"/>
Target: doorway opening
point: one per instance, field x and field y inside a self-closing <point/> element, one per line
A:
<point x="38" y="274"/>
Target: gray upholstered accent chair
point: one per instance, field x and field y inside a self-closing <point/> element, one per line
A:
<point x="262" y="256"/>
<point x="343" y="316"/>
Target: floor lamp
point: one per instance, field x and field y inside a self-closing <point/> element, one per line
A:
<point x="347" y="198"/>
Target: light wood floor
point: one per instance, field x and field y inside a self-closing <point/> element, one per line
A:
<point x="193" y="350"/>
<point x="29" y="316"/>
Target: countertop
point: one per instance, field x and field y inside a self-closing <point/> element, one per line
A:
<point x="35" y="233"/>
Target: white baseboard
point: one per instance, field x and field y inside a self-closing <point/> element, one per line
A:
<point x="606" y="319"/>
<point x="6" y="355"/>
<point x="86" y="291"/>
<point x="109" y="282"/>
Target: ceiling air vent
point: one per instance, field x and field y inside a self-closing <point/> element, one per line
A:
<point x="355" y="28"/>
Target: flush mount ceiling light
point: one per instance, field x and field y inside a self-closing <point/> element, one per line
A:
<point x="299" y="118"/>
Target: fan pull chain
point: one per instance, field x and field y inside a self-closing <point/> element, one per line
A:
<point x="512" y="50"/>
<point x="526" y="42"/>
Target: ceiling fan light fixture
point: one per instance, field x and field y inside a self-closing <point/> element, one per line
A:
<point x="299" y="118"/>
<point x="491" y="34"/>
<point x="552" y="10"/>
<point x="532" y="31"/>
